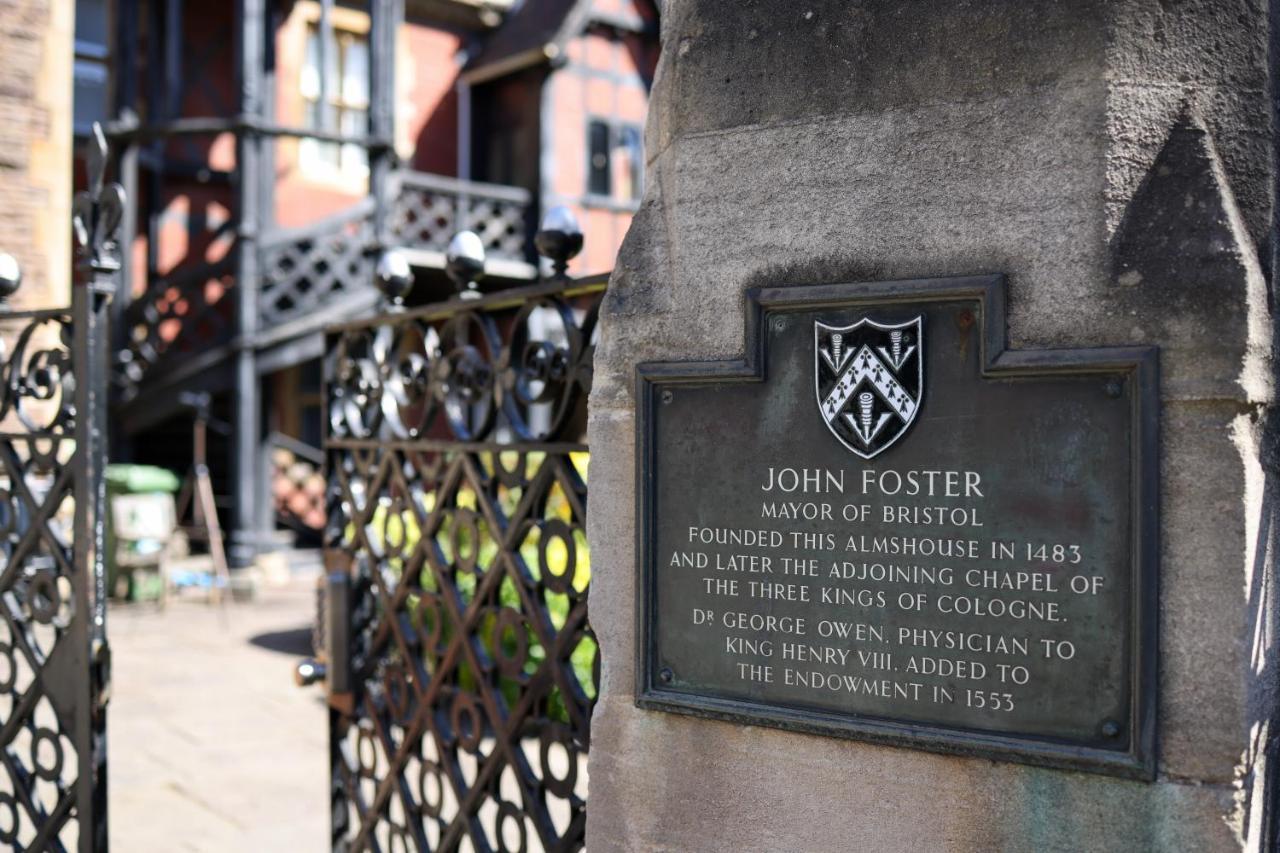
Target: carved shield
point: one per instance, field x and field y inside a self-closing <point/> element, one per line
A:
<point x="870" y="381"/>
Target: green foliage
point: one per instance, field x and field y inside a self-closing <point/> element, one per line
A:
<point x="464" y="536"/>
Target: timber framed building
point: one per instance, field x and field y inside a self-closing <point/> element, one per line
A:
<point x="271" y="150"/>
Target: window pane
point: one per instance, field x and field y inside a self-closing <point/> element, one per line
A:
<point x="354" y="123"/>
<point x="630" y="169"/>
<point x="309" y="84"/>
<point x="331" y="79"/>
<point x="312" y="116"/>
<point x="355" y="73"/>
<point x="313" y="153"/>
<point x="90" y="95"/>
<point x="598" y="158"/>
<point x="91" y="22"/>
<point x="310" y="79"/>
<point x="353" y="159"/>
<point x="309" y="154"/>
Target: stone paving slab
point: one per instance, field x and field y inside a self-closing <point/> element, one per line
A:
<point x="211" y="745"/>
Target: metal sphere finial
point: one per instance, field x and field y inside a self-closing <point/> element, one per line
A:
<point x="394" y="277"/>
<point x="464" y="263"/>
<point x="10" y="275"/>
<point x="559" y="238"/>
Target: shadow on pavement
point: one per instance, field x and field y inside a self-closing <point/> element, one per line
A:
<point x="296" y="641"/>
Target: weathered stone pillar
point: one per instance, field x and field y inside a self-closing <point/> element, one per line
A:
<point x="1116" y="162"/>
<point x="36" y="148"/>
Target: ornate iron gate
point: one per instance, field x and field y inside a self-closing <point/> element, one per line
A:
<point x="462" y="669"/>
<point x="54" y="661"/>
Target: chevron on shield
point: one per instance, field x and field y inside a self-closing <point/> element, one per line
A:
<point x="869" y="377"/>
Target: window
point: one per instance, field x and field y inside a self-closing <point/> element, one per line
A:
<point x="346" y="101"/>
<point x="92" y="88"/>
<point x="615" y="160"/>
<point x="311" y="401"/>
<point x="630" y="165"/>
<point x="598" y="172"/>
<point x="504" y="140"/>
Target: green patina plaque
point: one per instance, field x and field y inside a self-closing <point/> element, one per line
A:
<point x="884" y="524"/>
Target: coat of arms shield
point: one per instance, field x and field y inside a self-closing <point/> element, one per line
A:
<point x="869" y="378"/>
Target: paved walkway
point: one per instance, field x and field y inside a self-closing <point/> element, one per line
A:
<point x="211" y="746"/>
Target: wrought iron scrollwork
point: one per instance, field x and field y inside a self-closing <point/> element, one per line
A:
<point x="471" y="374"/>
<point x="457" y="493"/>
<point x="53" y="653"/>
<point x="38" y="382"/>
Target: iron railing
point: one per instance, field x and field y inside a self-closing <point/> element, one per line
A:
<point x="430" y="209"/>
<point x="305" y="268"/>
<point x="461" y="665"/>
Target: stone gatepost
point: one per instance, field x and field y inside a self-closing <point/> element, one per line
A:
<point x="1043" y="175"/>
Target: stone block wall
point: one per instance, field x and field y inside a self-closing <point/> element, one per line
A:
<point x="1116" y="161"/>
<point x="36" y="146"/>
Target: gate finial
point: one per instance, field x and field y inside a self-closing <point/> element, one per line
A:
<point x="394" y="277"/>
<point x="464" y="263"/>
<point x="559" y="238"/>
<point x="10" y="276"/>
<point x="96" y="215"/>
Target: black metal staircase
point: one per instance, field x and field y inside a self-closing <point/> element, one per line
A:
<point x="181" y="333"/>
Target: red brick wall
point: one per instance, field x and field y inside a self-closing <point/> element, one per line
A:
<point x="605" y="78"/>
<point x="427" y="108"/>
<point x="426" y="111"/>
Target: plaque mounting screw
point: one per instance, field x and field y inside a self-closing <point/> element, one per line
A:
<point x="666" y="676"/>
<point x="1113" y="387"/>
<point x="777" y="324"/>
<point x="1110" y="728"/>
<point x="667" y="396"/>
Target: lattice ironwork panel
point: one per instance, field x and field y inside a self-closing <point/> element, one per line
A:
<point x="502" y="226"/>
<point x="301" y="275"/>
<point x="457" y="502"/>
<point x="427" y="217"/>
<point x="423" y="219"/>
<point x="52" y="757"/>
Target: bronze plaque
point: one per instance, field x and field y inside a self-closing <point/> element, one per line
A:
<point x="884" y="524"/>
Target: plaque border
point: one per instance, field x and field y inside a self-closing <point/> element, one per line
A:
<point x="1139" y="365"/>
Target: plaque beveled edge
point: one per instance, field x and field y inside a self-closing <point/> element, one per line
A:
<point x="1140" y="367"/>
